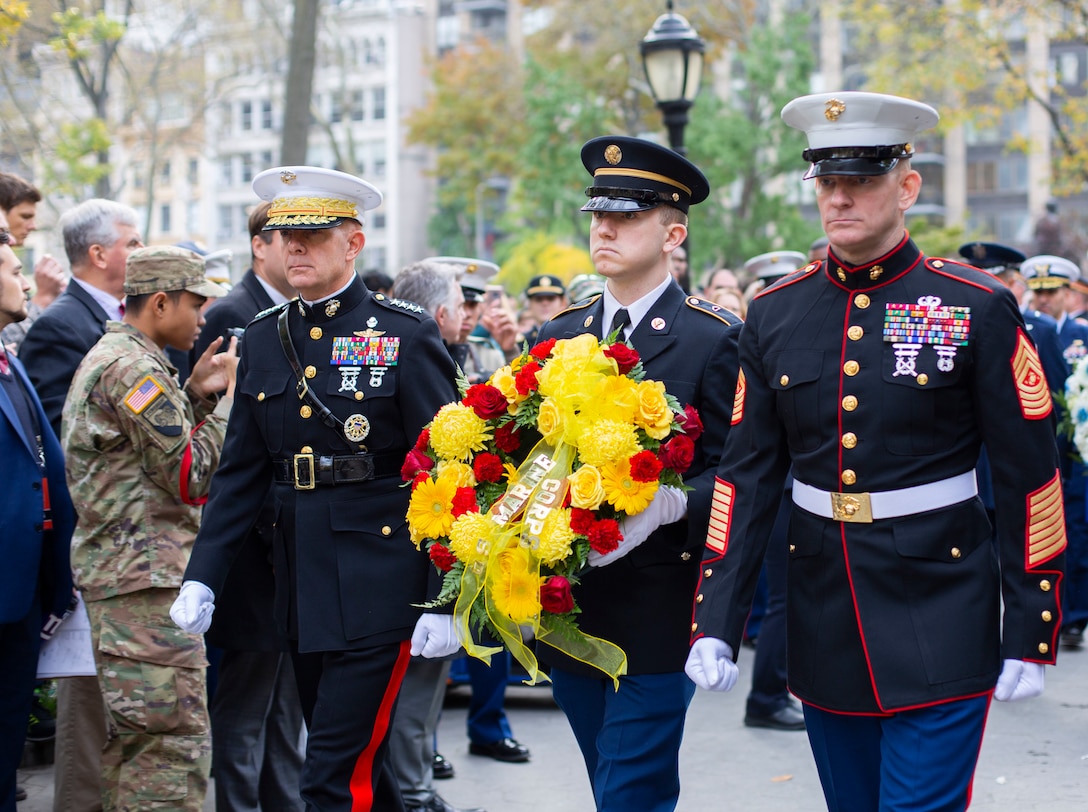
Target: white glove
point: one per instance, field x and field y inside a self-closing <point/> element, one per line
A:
<point x="669" y="505"/>
<point x="710" y="664"/>
<point x="1019" y="680"/>
<point x="192" y="610"/>
<point x="434" y="636"/>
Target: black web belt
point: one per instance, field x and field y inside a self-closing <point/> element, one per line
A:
<point x="307" y="471"/>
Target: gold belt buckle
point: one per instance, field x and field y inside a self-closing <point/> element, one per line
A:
<point x="851" y="507"/>
<point x="304" y="463"/>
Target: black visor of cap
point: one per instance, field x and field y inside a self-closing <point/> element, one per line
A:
<point x="609" y="198"/>
<point x="856" y="161"/>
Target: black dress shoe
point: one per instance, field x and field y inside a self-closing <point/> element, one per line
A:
<point x="502" y="750"/>
<point x="443" y="768"/>
<point x="437" y="804"/>
<point x="786" y="718"/>
<point x="1072" y="637"/>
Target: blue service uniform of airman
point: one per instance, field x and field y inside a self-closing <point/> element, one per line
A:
<point x="879" y="383"/>
<point x="1047" y="272"/>
<point x="347" y="575"/>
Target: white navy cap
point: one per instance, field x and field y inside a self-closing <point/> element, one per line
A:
<point x="475" y="274"/>
<point x="1046" y="272"/>
<point x="856" y="133"/>
<point x="309" y="197"/>
<point x="774" y="264"/>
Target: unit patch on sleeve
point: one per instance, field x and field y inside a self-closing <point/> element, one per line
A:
<point x="1046" y="524"/>
<point x="1031" y="385"/>
<point x="721" y="512"/>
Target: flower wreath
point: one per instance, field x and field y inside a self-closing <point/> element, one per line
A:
<point x="1076" y="406"/>
<point x="515" y="484"/>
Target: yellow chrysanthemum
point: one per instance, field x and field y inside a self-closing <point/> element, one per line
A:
<point x="458" y="472"/>
<point x="623" y="491"/>
<point x="586" y="490"/>
<point x="470" y="537"/>
<point x="555" y="538"/>
<point x="607" y="441"/>
<point x="457" y="432"/>
<point x="654" y="415"/>
<point x="515" y="585"/>
<point x="429" y="515"/>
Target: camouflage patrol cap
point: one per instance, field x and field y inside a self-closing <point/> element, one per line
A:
<point x="167" y="268"/>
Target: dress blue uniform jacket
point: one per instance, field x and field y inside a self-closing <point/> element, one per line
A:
<point x="901" y="612"/>
<point x="32" y="556"/>
<point x="347" y="574"/>
<point x="55" y="344"/>
<point x="642" y="602"/>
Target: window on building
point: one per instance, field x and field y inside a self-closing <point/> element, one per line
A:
<point x="357" y="105"/>
<point x="164" y="172"/>
<point x="247" y="116"/>
<point x="1069" y="68"/>
<point x="137" y="176"/>
<point x="377" y="221"/>
<point x="981" y="177"/>
<point x="226" y="222"/>
<point x="266" y="114"/>
<point x="1012" y="174"/>
<point x="192" y="216"/>
<point x="379" y="104"/>
<point x="226" y="170"/>
<point x="266" y="159"/>
<point x="164" y="218"/>
<point x="247" y="167"/>
<point x="193" y="175"/>
<point x="336" y="107"/>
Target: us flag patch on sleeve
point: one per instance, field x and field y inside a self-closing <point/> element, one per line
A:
<point x="738" y="399"/>
<point x="143" y="394"/>
<point x="1031" y="385"/>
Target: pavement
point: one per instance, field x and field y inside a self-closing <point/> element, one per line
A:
<point x="1034" y="756"/>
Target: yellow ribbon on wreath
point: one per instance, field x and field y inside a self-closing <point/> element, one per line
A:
<point x="537" y="488"/>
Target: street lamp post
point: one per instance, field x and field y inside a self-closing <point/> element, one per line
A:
<point x="672" y="56"/>
<point x="498" y="184"/>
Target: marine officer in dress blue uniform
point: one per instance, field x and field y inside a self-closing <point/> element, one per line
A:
<point x="333" y="389"/>
<point x="878" y="374"/>
<point x="640" y="597"/>
<point x="1049" y="278"/>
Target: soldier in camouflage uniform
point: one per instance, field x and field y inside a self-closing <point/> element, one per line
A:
<point x="140" y="452"/>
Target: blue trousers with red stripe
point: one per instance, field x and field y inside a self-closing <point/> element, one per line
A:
<point x="919" y="760"/>
<point x="348" y="698"/>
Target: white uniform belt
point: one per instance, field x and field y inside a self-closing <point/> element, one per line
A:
<point x="868" y="507"/>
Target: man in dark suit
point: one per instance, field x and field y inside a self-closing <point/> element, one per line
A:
<point x="333" y="390"/>
<point x="38" y="519"/>
<point x="875" y="377"/>
<point x="98" y="237"/>
<point x="640" y="597"/>
<point x="255" y="713"/>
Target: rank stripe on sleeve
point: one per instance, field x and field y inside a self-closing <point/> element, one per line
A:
<point x="721" y="511"/>
<point x="1031" y="384"/>
<point x="1045" y="524"/>
<point x="738" y="399"/>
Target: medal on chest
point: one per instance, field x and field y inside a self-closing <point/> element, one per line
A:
<point x="910" y="328"/>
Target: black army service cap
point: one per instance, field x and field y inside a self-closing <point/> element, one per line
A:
<point x="992" y="256"/>
<point x="632" y="174"/>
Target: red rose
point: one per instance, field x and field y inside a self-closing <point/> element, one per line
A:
<point x="487" y="467"/>
<point x="605" y="536"/>
<point x="543" y="349"/>
<point x="508" y="438"/>
<point x="424" y="440"/>
<point x="645" y="467"/>
<point x="581" y="520"/>
<point x="464" y="501"/>
<point x="414" y="463"/>
<point x="626" y="358"/>
<point x="442" y="557"/>
<point x="690" y="422"/>
<point x="555" y="595"/>
<point x="486" y="401"/>
<point x="525" y="380"/>
<point x="678" y="453"/>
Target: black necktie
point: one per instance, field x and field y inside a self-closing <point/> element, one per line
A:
<point x="619" y="322"/>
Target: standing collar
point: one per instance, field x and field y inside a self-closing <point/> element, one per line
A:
<point x="328" y="308"/>
<point x="876" y="272"/>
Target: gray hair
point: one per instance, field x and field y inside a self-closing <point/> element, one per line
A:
<point x="429" y="284"/>
<point x="93" y="222"/>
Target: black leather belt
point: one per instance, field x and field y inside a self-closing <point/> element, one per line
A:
<point x="307" y="471"/>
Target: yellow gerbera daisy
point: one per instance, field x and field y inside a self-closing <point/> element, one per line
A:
<point x="429" y="515"/>
<point x="470" y="537"/>
<point x="457" y="432"/>
<point x="515" y="585"/>
<point x="623" y="491"/>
